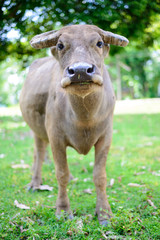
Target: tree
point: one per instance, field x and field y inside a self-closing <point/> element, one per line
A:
<point x="139" y="21"/>
<point x="143" y="79"/>
<point x="10" y="81"/>
<point x="30" y="17"/>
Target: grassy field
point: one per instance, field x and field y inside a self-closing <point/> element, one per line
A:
<point x="134" y="158"/>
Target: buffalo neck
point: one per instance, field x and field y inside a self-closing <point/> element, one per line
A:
<point x="87" y="107"/>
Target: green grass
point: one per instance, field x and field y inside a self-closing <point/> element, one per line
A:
<point x="135" y="148"/>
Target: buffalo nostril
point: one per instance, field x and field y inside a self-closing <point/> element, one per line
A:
<point x="71" y="71"/>
<point x="90" y="70"/>
<point x="80" y="71"/>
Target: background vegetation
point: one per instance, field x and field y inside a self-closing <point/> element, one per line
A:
<point x="133" y="164"/>
<point x="139" y="21"/>
<point x="134" y="158"/>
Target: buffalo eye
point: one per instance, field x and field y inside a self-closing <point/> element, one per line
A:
<point x="60" y="46"/>
<point x="100" y="44"/>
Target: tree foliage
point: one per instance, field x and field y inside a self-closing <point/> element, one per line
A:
<point x="11" y="78"/>
<point x="29" y="17"/>
<point x="144" y="76"/>
<point x="139" y="21"/>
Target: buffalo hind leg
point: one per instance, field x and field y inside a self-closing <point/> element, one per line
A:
<point x="103" y="209"/>
<point x="39" y="155"/>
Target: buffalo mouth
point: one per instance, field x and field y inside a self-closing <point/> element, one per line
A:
<point x="81" y="82"/>
<point x="96" y="79"/>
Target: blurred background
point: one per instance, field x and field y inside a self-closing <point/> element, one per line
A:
<point x="134" y="70"/>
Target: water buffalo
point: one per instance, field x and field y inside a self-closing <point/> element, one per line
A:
<point x="68" y="100"/>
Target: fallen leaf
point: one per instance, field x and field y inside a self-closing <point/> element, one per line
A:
<point x="50" y="196"/>
<point x="139" y="220"/>
<point x="21" y="165"/>
<point x="89" y="217"/>
<point x="145" y="144"/>
<point x="115" y="131"/>
<point x="135" y="232"/>
<point x="89" y="191"/>
<point x="45" y="188"/>
<point x="139" y="173"/>
<point x="144" y="191"/>
<point x="121" y="148"/>
<point x="145" y="206"/>
<point x="18" y="214"/>
<point x="74" y="179"/>
<point x="151" y="203"/>
<point x="20" y="205"/>
<point x="119" y="179"/>
<point x="30" y="220"/>
<point x="156" y="174"/>
<point x="53" y="207"/>
<point x="69" y="232"/>
<point x="135" y="185"/>
<point x="154" y="213"/>
<point x="12" y="223"/>
<point x="149" y="196"/>
<point x="111" y="182"/>
<point x="109" y="233"/>
<point x="114" y="192"/>
<point x="103" y="234"/>
<point x="22" y="229"/>
<point x="121" y="207"/>
<point x="84" y="169"/>
<point x="71" y="177"/>
<point x="143" y="167"/>
<point x="86" y="179"/>
<point x="79" y="224"/>
<point x="149" y="144"/>
<point x="91" y="164"/>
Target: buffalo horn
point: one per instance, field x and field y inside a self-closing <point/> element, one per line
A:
<point x="45" y="40"/>
<point x="114" y="39"/>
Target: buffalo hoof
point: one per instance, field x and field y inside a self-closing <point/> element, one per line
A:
<point x="104" y="223"/>
<point x="35" y="184"/>
<point x="31" y="189"/>
<point x="70" y="216"/>
<point x="103" y="217"/>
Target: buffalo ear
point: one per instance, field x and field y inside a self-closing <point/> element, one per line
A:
<point x="54" y="52"/>
<point x="106" y="49"/>
<point x="45" y="40"/>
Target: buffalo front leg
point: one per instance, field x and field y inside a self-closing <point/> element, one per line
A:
<point x="39" y="155"/>
<point x="103" y="209"/>
<point x="62" y="175"/>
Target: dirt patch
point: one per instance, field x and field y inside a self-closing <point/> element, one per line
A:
<point x="138" y="106"/>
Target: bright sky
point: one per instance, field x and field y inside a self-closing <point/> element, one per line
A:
<point x="13" y="34"/>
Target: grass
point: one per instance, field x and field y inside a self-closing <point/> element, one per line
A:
<point x="134" y="158"/>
